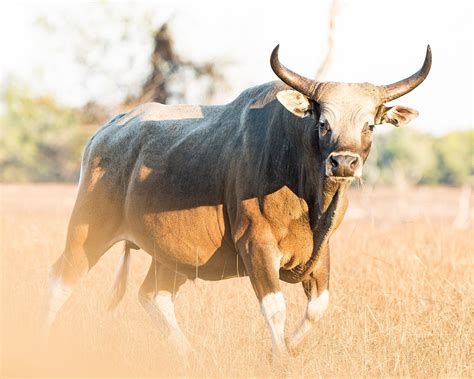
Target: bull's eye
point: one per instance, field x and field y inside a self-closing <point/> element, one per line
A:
<point x="368" y="128"/>
<point x="324" y="127"/>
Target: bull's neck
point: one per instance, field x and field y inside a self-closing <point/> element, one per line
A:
<point x="326" y="199"/>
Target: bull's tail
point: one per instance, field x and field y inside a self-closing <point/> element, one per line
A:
<point x="120" y="283"/>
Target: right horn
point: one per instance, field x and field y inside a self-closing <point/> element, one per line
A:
<point x="304" y="85"/>
<point x="395" y="90"/>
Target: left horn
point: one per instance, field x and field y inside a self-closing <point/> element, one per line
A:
<point x="300" y="83"/>
<point x="395" y="90"/>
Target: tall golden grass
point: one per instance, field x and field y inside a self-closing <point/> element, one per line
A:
<point x="401" y="299"/>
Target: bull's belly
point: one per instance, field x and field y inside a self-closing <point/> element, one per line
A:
<point x="191" y="241"/>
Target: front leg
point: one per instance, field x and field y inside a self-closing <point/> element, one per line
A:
<point x="316" y="288"/>
<point x="261" y="257"/>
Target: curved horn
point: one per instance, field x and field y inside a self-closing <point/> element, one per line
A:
<point x="300" y="83"/>
<point x="395" y="90"/>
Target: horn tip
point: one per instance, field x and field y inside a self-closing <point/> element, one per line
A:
<point x="429" y="57"/>
<point x="428" y="52"/>
<point x="274" y="56"/>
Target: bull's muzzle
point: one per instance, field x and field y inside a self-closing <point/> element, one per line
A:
<point x="344" y="165"/>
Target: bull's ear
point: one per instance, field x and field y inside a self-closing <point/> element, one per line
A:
<point x="295" y="102"/>
<point x="396" y="115"/>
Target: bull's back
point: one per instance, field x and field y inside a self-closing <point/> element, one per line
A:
<point x="131" y="144"/>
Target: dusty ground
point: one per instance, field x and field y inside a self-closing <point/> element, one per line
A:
<point x="402" y="287"/>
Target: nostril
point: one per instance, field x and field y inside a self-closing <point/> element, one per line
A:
<point x="353" y="163"/>
<point x="334" y="162"/>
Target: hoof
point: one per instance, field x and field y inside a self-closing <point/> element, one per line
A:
<point x="293" y="349"/>
<point x="279" y="361"/>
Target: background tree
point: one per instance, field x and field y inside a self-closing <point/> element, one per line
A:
<point x="171" y="73"/>
<point x="149" y="67"/>
<point x="405" y="156"/>
<point x="41" y="140"/>
<point x="455" y="157"/>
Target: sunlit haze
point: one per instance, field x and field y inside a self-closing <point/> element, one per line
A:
<point x="379" y="42"/>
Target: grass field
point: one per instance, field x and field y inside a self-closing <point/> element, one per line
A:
<point x="402" y="285"/>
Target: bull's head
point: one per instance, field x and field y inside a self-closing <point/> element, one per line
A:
<point x="346" y="113"/>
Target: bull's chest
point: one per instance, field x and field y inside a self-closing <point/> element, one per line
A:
<point x="287" y="216"/>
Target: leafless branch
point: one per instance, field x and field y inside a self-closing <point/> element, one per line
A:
<point x="323" y="68"/>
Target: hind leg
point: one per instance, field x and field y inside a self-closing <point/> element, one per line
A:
<point x="157" y="295"/>
<point x="86" y="243"/>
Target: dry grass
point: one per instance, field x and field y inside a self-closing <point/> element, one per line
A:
<point x="401" y="299"/>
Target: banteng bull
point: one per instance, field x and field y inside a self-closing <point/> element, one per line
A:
<point x="255" y="187"/>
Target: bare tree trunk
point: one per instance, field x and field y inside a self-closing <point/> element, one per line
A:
<point x="323" y="68"/>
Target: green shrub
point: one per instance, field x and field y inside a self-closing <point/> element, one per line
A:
<point x="41" y="140"/>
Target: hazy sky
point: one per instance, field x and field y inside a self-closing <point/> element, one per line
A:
<point x="375" y="41"/>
